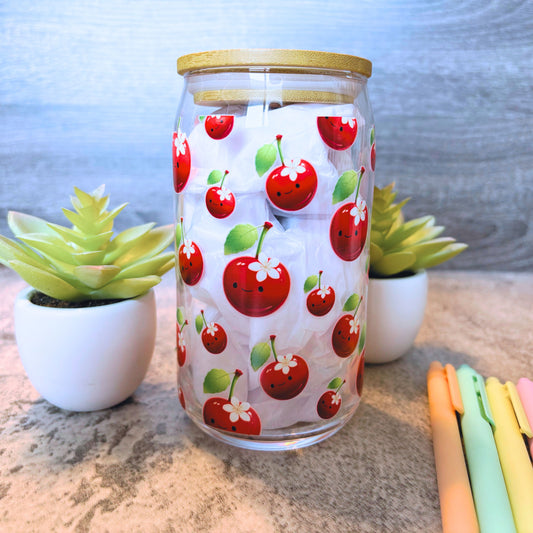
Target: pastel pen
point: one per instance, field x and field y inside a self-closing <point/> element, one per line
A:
<point x="525" y="391"/>
<point x="510" y="422"/>
<point x="455" y="495"/>
<point x="488" y="486"/>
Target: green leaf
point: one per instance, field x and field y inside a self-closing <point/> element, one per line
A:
<point x="260" y="354"/>
<point x="427" y="248"/>
<point x="376" y="253"/>
<point x="443" y="255"/>
<point x="46" y="282"/>
<point x="126" y="288"/>
<point x="335" y="383"/>
<point x="146" y="267"/>
<point x="265" y="158"/>
<point x="20" y="224"/>
<point x="10" y="250"/>
<point x="406" y="230"/>
<point x="87" y="242"/>
<point x="96" y="276"/>
<point x="178" y="235"/>
<point x="345" y="186"/>
<point x="372" y="136"/>
<point x="310" y="282"/>
<point x="201" y="118"/>
<point x="362" y="338"/>
<point x="166" y="267"/>
<point x="216" y="380"/>
<point x="199" y="323"/>
<point x="351" y="303"/>
<point x="240" y="238"/>
<point x="391" y="264"/>
<point x="215" y="176"/>
<point x="126" y="240"/>
<point x="180" y="317"/>
<point x="89" y="258"/>
<point x="50" y="245"/>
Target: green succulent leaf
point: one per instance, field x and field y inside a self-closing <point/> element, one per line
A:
<point x="50" y="245"/>
<point x="406" y="230"/>
<point x="22" y="224"/>
<point x="145" y="267"/>
<point x="126" y="240"/>
<point x="199" y="323"/>
<point x="310" y="283"/>
<point x="392" y="264"/>
<point x="345" y="186"/>
<point x="427" y="248"/>
<point x="265" y="158"/>
<point x="260" y="354"/>
<point x="126" y="288"/>
<point x="426" y="233"/>
<point x="46" y="282"/>
<point x="169" y="265"/>
<point x="439" y="257"/>
<point x="87" y="242"/>
<point x="12" y="250"/>
<point x="240" y="238"/>
<point x="216" y="380"/>
<point x="96" y="276"/>
<point x="215" y="176"/>
<point x="376" y="253"/>
<point x="335" y="383"/>
<point x="351" y="303"/>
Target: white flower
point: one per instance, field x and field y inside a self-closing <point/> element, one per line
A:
<point x="265" y="266"/>
<point x="354" y="326"/>
<point x="358" y="210"/>
<point x="336" y="398"/>
<point x="237" y="410"/>
<point x="181" y="342"/>
<point x="179" y="143"/>
<point x="285" y="363"/>
<point x="188" y="247"/>
<point x="293" y="167"/>
<point x="224" y="194"/>
<point x="324" y="291"/>
<point x="348" y="120"/>
<point x="212" y="328"/>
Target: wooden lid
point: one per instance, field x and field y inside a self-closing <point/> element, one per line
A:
<point x="275" y="59"/>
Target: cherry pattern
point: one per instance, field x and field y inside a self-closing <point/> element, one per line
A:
<point x="228" y="414"/>
<point x="181" y="397"/>
<point x="290" y="186"/>
<point x="181" y="160"/>
<point x="345" y="335"/>
<point x="349" y="225"/>
<point x="257" y="285"/>
<point x="338" y="133"/>
<point x="372" y="149"/>
<point x="330" y="402"/>
<point x="320" y="300"/>
<point x="219" y="200"/>
<point x="218" y="126"/>
<point x="213" y="335"/>
<point x="284" y="378"/>
<point x="190" y="260"/>
<point x="181" y="348"/>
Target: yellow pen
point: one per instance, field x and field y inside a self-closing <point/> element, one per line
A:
<point x="510" y="422"/>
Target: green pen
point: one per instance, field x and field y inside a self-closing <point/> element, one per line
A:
<point x="488" y="486"/>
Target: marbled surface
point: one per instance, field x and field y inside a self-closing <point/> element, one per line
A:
<point x="142" y="466"/>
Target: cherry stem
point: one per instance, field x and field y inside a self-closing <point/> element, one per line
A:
<point x="358" y="306"/>
<point x="319" y="277"/>
<point x="339" y="387"/>
<point x="186" y="323"/>
<point x="203" y="317"/>
<point x="272" y="338"/>
<point x="278" y="140"/>
<point x="223" y="178"/>
<point x="361" y="172"/>
<point x="238" y="374"/>
<point x="182" y="239"/>
<point x="266" y="227"/>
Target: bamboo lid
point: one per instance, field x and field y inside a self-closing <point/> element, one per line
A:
<point x="275" y="59"/>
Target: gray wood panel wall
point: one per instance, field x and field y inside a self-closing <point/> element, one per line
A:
<point x="88" y="94"/>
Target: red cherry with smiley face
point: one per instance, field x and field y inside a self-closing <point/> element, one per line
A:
<point x="190" y="260"/>
<point x="338" y="133"/>
<point x="231" y="414"/>
<point x="292" y="185"/>
<point x="218" y="126"/>
<point x="256" y="286"/>
<point x="180" y="341"/>
<point x="320" y="300"/>
<point x="349" y="227"/>
<point x="286" y="377"/>
<point x="345" y="335"/>
<point x="219" y="200"/>
<point x="181" y="160"/>
<point x="213" y="336"/>
<point x="330" y="402"/>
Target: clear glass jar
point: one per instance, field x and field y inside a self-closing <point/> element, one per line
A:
<point x="273" y="167"/>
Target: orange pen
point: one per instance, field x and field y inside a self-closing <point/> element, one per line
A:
<point x="456" y="502"/>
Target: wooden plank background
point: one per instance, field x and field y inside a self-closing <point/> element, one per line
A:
<point x="88" y="94"/>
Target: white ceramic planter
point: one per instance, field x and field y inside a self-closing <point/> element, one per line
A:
<point x="89" y="358"/>
<point x="395" y="313"/>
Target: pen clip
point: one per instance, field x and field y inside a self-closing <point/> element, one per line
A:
<point x="453" y="388"/>
<point x="482" y="400"/>
<point x="518" y="409"/>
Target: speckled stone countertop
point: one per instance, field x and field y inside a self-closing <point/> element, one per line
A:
<point x="143" y="466"/>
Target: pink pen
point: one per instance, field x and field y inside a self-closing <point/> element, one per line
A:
<point x="525" y="391"/>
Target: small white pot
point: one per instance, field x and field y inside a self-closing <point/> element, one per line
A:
<point x="395" y="312"/>
<point x="88" y="358"/>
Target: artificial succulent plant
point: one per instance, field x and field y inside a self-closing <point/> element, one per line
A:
<point x="400" y="248"/>
<point x="86" y="261"/>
